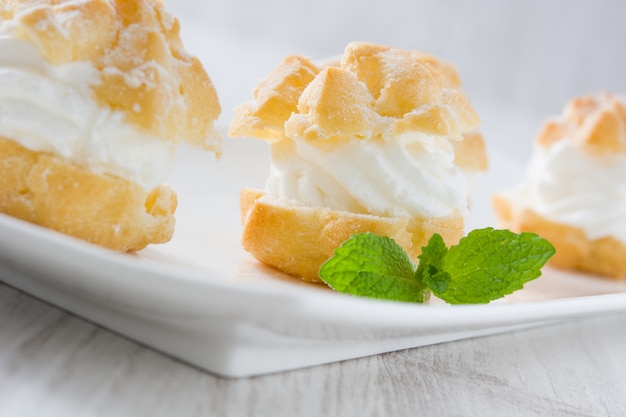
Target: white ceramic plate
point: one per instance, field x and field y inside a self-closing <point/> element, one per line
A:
<point x="204" y="300"/>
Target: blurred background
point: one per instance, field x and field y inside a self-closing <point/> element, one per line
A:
<point x="519" y="60"/>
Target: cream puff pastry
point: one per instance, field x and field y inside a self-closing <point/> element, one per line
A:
<point x="363" y="144"/>
<point x="574" y="193"/>
<point x="95" y="95"/>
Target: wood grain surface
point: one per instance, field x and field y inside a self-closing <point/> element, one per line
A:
<point x="55" y="364"/>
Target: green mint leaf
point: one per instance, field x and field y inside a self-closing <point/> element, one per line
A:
<point x="373" y="266"/>
<point x="430" y="271"/>
<point x="488" y="264"/>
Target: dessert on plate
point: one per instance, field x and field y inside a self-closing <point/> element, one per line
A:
<point x="95" y="96"/>
<point x="361" y="144"/>
<point x="574" y="193"/>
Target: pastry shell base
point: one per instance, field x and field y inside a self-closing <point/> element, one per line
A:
<point x="105" y="210"/>
<point x="297" y="239"/>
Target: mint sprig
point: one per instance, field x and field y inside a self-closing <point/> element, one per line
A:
<point x="485" y="265"/>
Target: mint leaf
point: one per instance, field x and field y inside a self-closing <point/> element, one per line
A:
<point x="373" y="266"/>
<point x="488" y="264"/>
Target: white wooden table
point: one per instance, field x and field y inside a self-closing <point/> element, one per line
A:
<point x="55" y="364"/>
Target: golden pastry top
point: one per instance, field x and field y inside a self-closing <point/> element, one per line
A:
<point x="451" y="78"/>
<point x="145" y="71"/>
<point x="595" y="123"/>
<point x="373" y="91"/>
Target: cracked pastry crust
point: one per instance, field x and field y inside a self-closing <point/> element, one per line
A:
<point x="145" y="73"/>
<point x="376" y="89"/>
<point x="372" y="92"/>
<point x="595" y="124"/>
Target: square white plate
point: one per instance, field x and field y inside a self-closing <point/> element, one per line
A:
<point x="202" y="299"/>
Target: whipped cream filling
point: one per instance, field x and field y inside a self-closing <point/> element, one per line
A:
<point x="51" y="109"/>
<point x="411" y="175"/>
<point x="566" y="185"/>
